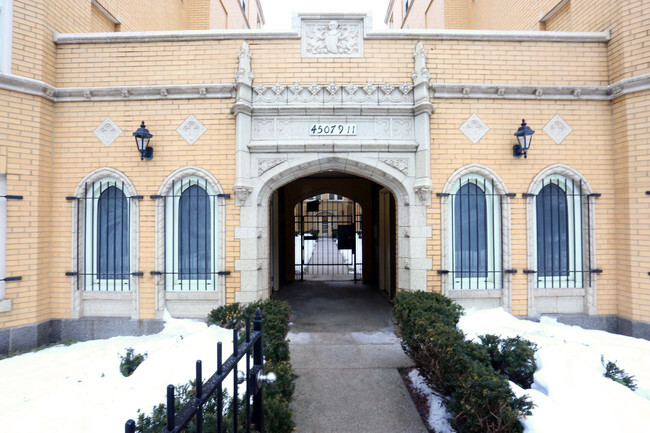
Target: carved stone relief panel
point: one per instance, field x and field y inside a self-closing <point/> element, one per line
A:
<point x="107" y="131"/>
<point x="332" y="38"/>
<point x="557" y="129"/>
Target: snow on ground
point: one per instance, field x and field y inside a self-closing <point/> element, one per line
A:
<point x="570" y="392"/>
<point x="79" y="388"/>
<point x="348" y="256"/>
<point x="309" y="250"/>
<point x="438" y="419"/>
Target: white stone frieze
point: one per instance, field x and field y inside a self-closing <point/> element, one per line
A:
<point x="332" y="93"/>
<point x="264" y="165"/>
<point x="332" y="38"/>
<point x="297" y="128"/>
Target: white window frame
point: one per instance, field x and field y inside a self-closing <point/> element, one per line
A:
<point x="493" y="230"/>
<point x="574" y="233"/>
<point x="6" y="31"/>
<point x="174" y="283"/>
<point x="92" y="282"/>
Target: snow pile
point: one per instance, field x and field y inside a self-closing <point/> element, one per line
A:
<point x="309" y="250"/>
<point x="438" y="419"/>
<point x="79" y="388"/>
<point x="570" y="392"/>
<point x="348" y="257"/>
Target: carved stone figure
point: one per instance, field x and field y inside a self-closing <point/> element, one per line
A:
<point x="420" y="72"/>
<point x="244" y="73"/>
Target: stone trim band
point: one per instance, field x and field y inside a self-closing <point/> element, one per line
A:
<point x="227" y="91"/>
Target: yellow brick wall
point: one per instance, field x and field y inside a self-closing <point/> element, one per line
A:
<point x="588" y="149"/>
<point x="630" y="120"/>
<point x="25" y="141"/>
<point x="214" y="152"/>
<point x="435" y="15"/>
<point x="44" y="163"/>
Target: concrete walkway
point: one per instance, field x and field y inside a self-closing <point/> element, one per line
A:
<point x="345" y="351"/>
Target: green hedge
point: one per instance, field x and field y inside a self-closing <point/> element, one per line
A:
<point x="277" y="414"/>
<point x="477" y="395"/>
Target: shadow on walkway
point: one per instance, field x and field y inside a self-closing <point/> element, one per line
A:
<point x="347" y="356"/>
<point x="336" y="306"/>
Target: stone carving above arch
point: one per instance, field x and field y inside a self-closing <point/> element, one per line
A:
<point x="332" y="38"/>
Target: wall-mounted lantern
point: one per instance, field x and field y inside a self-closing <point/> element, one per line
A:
<point x="524" y="136"/>
<point x="142" y="137"/>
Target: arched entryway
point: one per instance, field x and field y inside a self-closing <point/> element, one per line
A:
<point x="333" y="226"/>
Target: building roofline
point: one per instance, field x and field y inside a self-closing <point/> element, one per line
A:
<point x="490" y="35"/>
<point x="257" y="34"/>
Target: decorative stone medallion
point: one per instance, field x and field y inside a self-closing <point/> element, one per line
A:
<point x="191" y="129"/>
<point x="474" y="128"/>
<point x="332" y="38"/>
<point x="557" y="129"/>
<point x="107" y="132"/>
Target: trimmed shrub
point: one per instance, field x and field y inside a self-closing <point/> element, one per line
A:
<point x="131" y="361"/>
<point x="617" y="374"/>
<point x="512" y="357"/>
<point x="479" y="397"/>
<point x="277" y="397"/>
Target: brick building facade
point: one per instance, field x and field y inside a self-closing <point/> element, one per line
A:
<point x="421" y="125"/>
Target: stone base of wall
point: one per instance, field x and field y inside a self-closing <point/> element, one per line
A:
<point x="29" y="337"/>
<point x="51" y="331"/>
<point x="609" y="323"/>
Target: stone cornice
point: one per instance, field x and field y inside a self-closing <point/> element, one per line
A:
<point x="227" y="91"/>
<point x="115" y="93"/>
<point x="170" y="36"/>
<point x="27" y="86"/>
<point x="495" y="91"/>
<point x="491" y="35"/>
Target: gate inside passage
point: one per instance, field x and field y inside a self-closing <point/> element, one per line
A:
<point x="328" y="238"/>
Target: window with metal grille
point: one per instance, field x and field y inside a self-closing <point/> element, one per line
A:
<point x="191" y="236"/>
<point x="103" y="237"/>
<point x="475" y="241"/>
<point x="559" y="208"/>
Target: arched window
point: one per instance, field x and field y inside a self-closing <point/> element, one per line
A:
<point x="475" y="235"/>
<point x="558" y="227"/>
<point x="106" y="234"/>
<point x="194" y="234"/>
<point x="191" y="236"/>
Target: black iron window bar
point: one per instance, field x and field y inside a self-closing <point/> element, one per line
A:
<point x="11" y="197"/>
<point x="102" y="236"/>
<point x="191" y="250"/>
<point x="563" y="235"/>
<point x="476" y="236"/>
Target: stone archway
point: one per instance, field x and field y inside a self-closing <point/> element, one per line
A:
<point x="253" y="233"/>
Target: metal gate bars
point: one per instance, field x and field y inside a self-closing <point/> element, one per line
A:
<point x="254" y="378"/>
<point x="328" y="238"/>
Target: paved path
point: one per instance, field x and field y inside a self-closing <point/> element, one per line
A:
<point x="345" y="351"/>
<point x="326" y="260"/>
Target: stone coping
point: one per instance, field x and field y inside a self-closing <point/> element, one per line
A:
<point x="420" y="34"/>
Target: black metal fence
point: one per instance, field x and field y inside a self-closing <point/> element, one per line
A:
<point x="193" y="412"/>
